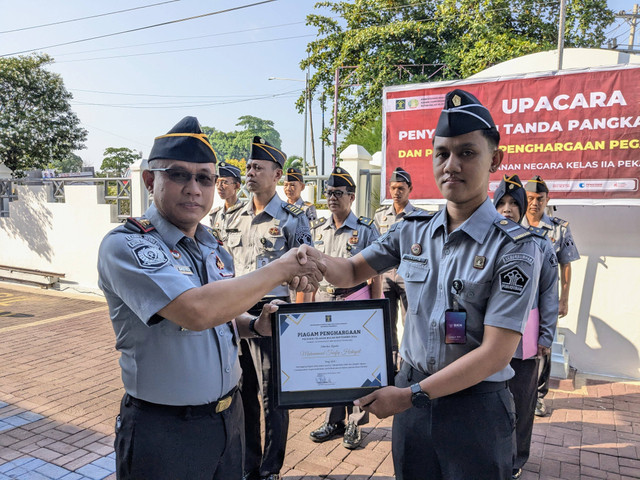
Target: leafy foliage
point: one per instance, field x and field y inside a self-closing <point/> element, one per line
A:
<point x="71" y="163"/>
<point x="376" y="43"/>
<point x="37" y="125"/>
<point x="116" y="160"/>
<point x="236" y="144"/>
<point x="294" y="161"/>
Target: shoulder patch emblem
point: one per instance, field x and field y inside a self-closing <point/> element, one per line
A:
<point x="511" y="229"/>
<point x="292" y="209"/>
<point x="365" y="221"/>
<point x="559" y="221"/>
<point x="149" y="256"/>
<point x="139" y="224"/>
<point x="513" y="280"/>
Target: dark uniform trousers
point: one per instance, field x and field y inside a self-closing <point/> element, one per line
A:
<point x="159" y="442"/>
<point x="467" y="435"/>
<point x="523" y="386"/>
<point x="352" y="413"/>
<point x="543" y="375"/>
<point x="393" y="289"/>
<point x="256" y="363"/>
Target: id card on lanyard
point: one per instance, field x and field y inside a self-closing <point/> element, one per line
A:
<point x="455" y="319"/>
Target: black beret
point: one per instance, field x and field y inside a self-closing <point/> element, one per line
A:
<point x="400" y="175"/>
<point x="536" y="185"/>
<point x="227" y="170"/>
<point x="512" y="186"/>
<point x="262" y="150"/>
<point x="340" y="178"/>
<point x="184" y="142"/>
<point x="462" y="113"/>
<point x="294" y="175"/>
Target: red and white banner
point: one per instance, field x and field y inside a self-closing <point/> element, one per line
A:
<point x="579" y="131"/>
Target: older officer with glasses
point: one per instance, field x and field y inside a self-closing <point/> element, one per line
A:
<point x="177" y="325"/>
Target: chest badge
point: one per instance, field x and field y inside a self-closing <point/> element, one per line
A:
<point x="479" y="262"/>
<point x="219" y="263"/>
<point x="416" y="249"/>
<point x="176" y="254"/>
<point x="353" y="240"/>
<point x="274" y="231"/>
<point x="384" y="218"/>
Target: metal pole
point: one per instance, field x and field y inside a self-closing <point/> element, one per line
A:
<point x="322" y="102"/>
<point x="561" y="33"/>
<point x="306" y="110"/>
<point x="632" y="32"/>
<point x="335" y="117"/>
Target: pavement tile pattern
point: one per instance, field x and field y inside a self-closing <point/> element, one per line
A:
<point x="60" y="389"/>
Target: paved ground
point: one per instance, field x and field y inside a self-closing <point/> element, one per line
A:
<point x="60" y="387"/>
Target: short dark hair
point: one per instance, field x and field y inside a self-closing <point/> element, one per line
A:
<point x="351" y="189"/>
<point x="492" y="135"/>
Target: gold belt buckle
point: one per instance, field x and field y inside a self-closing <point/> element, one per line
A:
<point x="223" y="404"/>
<point x="331" y="290"/>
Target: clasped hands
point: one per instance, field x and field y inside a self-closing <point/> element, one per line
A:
<point x="307" y="268"/>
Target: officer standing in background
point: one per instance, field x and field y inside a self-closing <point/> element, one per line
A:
<point x="293" y="187"/>
<point x="264" y="230"/>
<point x="228" y="185"/>
<point x="558" y="231"/>
<point x="510" y="200"/>
<point x="181" y="415"/>
<point x="392" y="284"/>
<point x="470" y="276"/>
<point x="343" y="235"/>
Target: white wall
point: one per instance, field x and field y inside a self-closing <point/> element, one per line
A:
<point x="57" y="237"/>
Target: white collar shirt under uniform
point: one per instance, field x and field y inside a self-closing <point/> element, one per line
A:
<point x="350" y="239"/>
<point x="499" y="266"/>
<point x="256" y="240"/>
<point x="222" y="216"/>
<point x="140" y="273"/>
<point x="559" y="233"/>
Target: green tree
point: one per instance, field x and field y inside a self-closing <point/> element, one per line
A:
<point x="37" y="125"/>
<point x="369" y="136"/>
<point x="236" y="144"/>
<point x="376" y="43"/>
<point x="71" y="163"/>
<point x="294" y="161"/>
<point x="116" y="160"/>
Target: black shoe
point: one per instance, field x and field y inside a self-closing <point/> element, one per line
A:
<point x="517" y="473"/>
<point x="541" y="408"/>
<point x="251" y="476"/>
<point x="327" y="431"/>
<point x="352" y="438"/>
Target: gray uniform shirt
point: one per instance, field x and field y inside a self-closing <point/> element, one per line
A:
<point x="385" y="217"/>
<point x="308" y="208"/>
<point x="141" y="273"/>
<point x="256" y="240"/>
<point x="221" y="217"/>
<point x="558" y="231"/>
<point x="350" y="239"/>
<point x="499" y="266"/>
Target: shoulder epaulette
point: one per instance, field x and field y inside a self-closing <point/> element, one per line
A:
<point x="215" y="234"/>
<point x="559" y="221"/>
<point x="139" y="224"/>
<point x="365" y="221"/>
<point x="538" y="232"/>
<point x="317" y="222"/>
<point x="235" y="207"/>
<point x="419" y="214"/>
<point x="307" y="204"/>
<point x="292" y="209"/>
<point x="382" y="208"/>
<point x="215" y="210"/>
<point x="511" y="229"/>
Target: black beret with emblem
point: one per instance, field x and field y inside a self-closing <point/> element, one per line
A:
<point x="462" y="113"/>
<point x="262" y="150"/>
<point x="294" y="175"/>
<point x="512" y="186"/>
<point x="536" y="185"/>
<point x="227" y="170"/>
<point x="400" y="175"/>
<point x="184" y="142"/>
<point x="340" y="178"/>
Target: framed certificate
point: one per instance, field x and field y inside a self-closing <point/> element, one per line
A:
<point x="330" y="353"/>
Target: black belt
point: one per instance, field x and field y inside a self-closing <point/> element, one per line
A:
<point x="415" y="375"/>
<point x="184" y="410"/>
<point x="341" y="292"/>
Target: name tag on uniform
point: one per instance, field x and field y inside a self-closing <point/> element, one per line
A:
<point x="184" y="269"/>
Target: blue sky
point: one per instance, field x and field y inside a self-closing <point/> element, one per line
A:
<point x="131" y="87"/>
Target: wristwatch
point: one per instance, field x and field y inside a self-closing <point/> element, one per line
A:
<point x="419" y="398"/>
<point x="252" y="328"/>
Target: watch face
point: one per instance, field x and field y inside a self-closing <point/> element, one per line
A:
<point x="420" y="400"/>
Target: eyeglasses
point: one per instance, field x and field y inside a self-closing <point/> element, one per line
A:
<point x="222" y="183"/>
<point x="182" y="177"/>
<point x="334" y="193"/>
